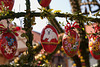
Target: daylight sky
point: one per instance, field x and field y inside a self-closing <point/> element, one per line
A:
<point x="62" y="5"/>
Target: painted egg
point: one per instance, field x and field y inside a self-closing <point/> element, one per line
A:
<point x="8" y="45"/>
<point x="44" y="3"/>
<point x="71" y="43"/>
<point x="94" y="46"/>
<point x="7" y="3"/>
<point x="49" y="38"/>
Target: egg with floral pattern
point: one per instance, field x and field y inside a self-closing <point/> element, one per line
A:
<point x="8" y="45"/>
<point x="94" y="46"/>
<point x="71" y="43"/>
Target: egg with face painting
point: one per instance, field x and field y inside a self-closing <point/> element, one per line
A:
<point x="8" y="45"/>
<point x="49" y="38"/>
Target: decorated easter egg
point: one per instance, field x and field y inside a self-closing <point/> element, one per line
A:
<point x="94" y="46"/>
<point x="49" y="38"/>
<point x="8" y="45"/>
<point x="71" y="43"/>
<point x="44" y="3"/>
<point x="8" y="3"/>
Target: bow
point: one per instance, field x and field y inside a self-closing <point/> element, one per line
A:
<point x="3" y="29"/>
<point x="69" y="26"/>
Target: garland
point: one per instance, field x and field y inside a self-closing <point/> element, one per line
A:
<point x="45" y="13"/>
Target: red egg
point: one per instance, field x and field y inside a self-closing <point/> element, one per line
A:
<point x="94" y="46"/>
<point x="71" y="43"/>
<point x="44" y="3"/>
<point x="8" y="45"/>
<point x="7" y="3"/>
<point x="49" y="38"/>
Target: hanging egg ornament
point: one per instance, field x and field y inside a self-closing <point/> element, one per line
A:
<point x="49" y="38"/>
<point x="94" y="46"/>
<point x="8" y="45"/>
<point x="71" y="40"/>
<point x="7" y="3"/>
<point x="71" y="43"/>
<point x="44" y="3"/>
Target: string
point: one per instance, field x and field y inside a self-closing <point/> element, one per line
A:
<point x="8" y="24"/>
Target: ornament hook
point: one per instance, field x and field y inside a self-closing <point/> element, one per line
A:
<point x="8" y="24"/>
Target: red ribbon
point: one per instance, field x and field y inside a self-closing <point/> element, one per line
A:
<point x="69" y="27"/>
<point x="3" y="29"/>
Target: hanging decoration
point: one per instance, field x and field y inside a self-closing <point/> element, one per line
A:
<point x="44" y="3"/>
<point x="94" y="43"/>
<point x="8" y="45"/>
<point x="8" y="42"/>
<point x="7" y="3"/>
<point x="71" y="40"/>
<point x="49" y="38"/>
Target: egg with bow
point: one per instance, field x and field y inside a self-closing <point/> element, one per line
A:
<point x="49" y="38"/>
<point x="8" y="45"/>
<point x="71" y="43"/>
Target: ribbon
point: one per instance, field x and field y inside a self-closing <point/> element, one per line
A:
<point x="3" y="29"/>
<point x="69" y="26"/>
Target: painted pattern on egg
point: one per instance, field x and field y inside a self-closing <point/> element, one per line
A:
<point x="94" y="46"/>
<point x="71" y="42"/>
<point x="8" y="45"/>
